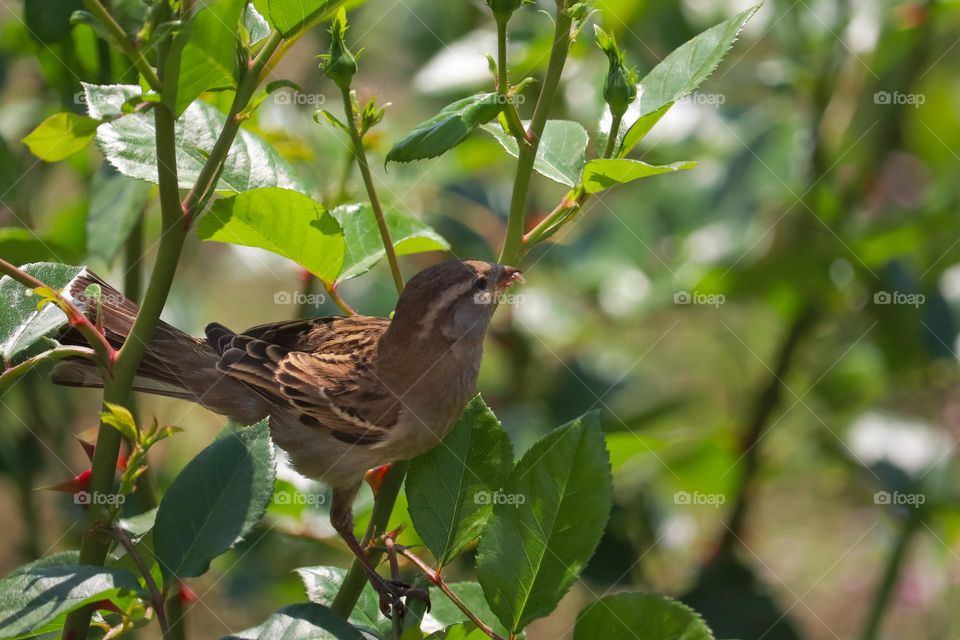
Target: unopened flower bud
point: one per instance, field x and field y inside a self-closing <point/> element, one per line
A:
<point x="339" y="64"/>
<point x="503" y="9"/>
<point x="620" y="86"/>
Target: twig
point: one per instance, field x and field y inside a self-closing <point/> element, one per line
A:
<point x="361" y="156"/>
<point x="98" y="342"/>
<point x="437" y="580"/>
<point x="155" y="596"/>
<point x="128" y="46"/>
<point x="59" y="353"/>
<point x="527" y="155"/>
<point x="338" y="299"/>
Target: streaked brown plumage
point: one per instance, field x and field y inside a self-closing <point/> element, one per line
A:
<point x="344" y="394"/>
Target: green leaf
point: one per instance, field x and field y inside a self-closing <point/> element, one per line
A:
<point x="459" y="631"/>
<point x="322" y="585"/>
<point x="19" y="245"/>
<point x="364" y="248"/>
<point x="291" y="16"/>
<point x="61" y="135"/>
<point x="601" y="174"/>
<point x="120" y="419"/>
<point x="35" y="600"/>
<point x="448" y="128"/>
<point x="450" y="489"/>
<point x="639" y="616"/>
<point x="676" y="77"/>
<point x="282" y="221"/>
<point x="208" y="59"/>
<point x="542" y="534"/>
<point x="22" y="326"/>
<point x="255" y="24"/>
<point x="116" y="203"/>
<point x="215" y="501"/>
<point x="560" y="155"/>
<point x="309" y="620"/>
<point x="445" y="613"/>
<point x="128" y="144"/>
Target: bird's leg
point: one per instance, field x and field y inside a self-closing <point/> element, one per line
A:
<point x="390" y="592"/>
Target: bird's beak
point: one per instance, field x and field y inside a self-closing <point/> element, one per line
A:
<point x="509" y="276"/>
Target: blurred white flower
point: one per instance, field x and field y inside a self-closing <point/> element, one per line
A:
<point x="911" y="445"/>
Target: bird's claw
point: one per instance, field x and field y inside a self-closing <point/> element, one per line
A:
<point x="393" y="592"/>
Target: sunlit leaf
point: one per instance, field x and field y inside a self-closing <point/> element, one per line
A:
<point x="61" y="135"/>
<point x="129" y="145"/>
<point x="560" y="155"/>
<point x="602" y="174"/>
<point x="639" y="616"/>
<point x="364" y="246"/>
<point x="282" y="221"/>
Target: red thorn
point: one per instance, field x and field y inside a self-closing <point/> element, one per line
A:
<point x="186" y="594"/>
<point x="88" y="447"/>
<point x="122" y="462"/>
<point x="106" y="605"/>
<point x="80" y="482"/>
<point x="374" y="478"/>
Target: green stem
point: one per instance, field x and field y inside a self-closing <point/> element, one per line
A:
<point x="355" y="579"/>
<point x="503" y="84"/>
<point x="891" y="575"/>
<point x="128" y="46"/>
<point x="528" y="154"/>
<point x="176" y="615"/>
<point x="361" y="155"/>
<point x="612" y="136"/>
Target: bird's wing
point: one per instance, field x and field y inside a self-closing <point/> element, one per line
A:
<point x="319" y="370"/>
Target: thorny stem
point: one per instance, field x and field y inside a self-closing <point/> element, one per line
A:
<point x="437" y="580"/>
<point x="155" y="596"/>
<point x="361" y="155"/>
<point x="106" y="356"/>
<point x="528" y="154"/>
<point x="503" y="85"/>
<point x="176" y="217"/>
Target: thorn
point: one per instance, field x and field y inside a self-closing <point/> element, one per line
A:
<point x="80" y="482"/>
<point x="374" y="478"/>
<point x="186" y="595"/>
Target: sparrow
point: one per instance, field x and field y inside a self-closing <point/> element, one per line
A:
<point x="343" y="394"/>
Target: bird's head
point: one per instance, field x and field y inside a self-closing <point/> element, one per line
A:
<point x="454" y="299"/>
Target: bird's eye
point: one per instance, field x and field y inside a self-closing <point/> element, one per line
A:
<point x="480" y="284"/>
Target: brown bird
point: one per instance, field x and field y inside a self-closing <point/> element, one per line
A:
<point x="344" y="394"/>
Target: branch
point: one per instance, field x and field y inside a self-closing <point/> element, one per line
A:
<point x="528" y="154"/>
<point x="361" y="156"/>
<point x="94" y="337"/>
<point x="125" y="43"/>
<point x="156" y="598"/>
<point x="437" y="580"/>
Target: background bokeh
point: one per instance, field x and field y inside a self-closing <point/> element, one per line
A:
<point x="770" y="338"/>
